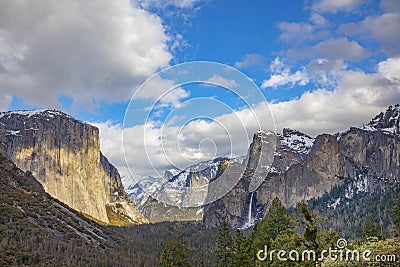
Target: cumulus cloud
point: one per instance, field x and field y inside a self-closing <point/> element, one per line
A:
<point x="333" y="48"/>
<point x="219" y="80"/>
<point x="390" y="69"/>
<point x="282" y="75"/>
<point x="329" y="6"/>
<point x="88" y="50"/>
<point x="285" y="77"/>
<point x="186" y="4"/>
<point x="319" y="71"/>
<point x="382" y="28"/>
<point x="163" y="90"/>
<point x="296" y="32"/>
<point x="390" y="5"/>
<point x="325" y="72"/>
<point x="250" y="60"/>
<point x="319" y="20"/>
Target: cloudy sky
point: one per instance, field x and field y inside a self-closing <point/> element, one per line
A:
<point x="321" y="66"/>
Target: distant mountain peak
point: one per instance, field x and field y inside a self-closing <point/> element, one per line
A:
<point x="387" y="121"/>
<point x="287" y="132"/>
<point x="296" y="141"/>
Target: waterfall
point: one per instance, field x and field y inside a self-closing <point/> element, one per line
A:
<point x="250" y="221"/>
<point x="249" y="216"/>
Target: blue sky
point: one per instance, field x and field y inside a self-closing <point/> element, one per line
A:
<point x="321" y="65"/>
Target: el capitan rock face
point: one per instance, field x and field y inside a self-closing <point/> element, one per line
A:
<point x="64" y="155"/>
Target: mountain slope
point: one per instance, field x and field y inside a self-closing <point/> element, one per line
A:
<point x="30" y="217"/>
<point x="64" y="155"/>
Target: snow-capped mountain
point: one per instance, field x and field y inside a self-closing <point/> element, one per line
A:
<point x="195" y="175"/>
<point x="387" y="121"/>
<point x="296" y="141"/>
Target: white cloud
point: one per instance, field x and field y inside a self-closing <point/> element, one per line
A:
<point x="284" y="78"/>
<point x="282" y="75"/>
<point x="390" y="69"/>
<point x="185" y="4"/>
<point x="333" y="48"/>
<point x="88" y="50"/>
<point x="221" y="81"/>
<point x="329" y="6"/>
<point x="319" y="20"/>
<point x="296" y="32"/>
<point x="325" y="72"/>
<point x="383" y="28"/>
<point x="390" y="5"/>
<point x="250" y="60"/>
<point x="320" y="72"/>
<point x="163" y="90"/>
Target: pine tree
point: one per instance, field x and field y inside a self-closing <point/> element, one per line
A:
<point x="175" y="253"/>
<point x="241" y="250"/>
<point x="313" y="238"/>
<point x="312" y="229"/>
<point x="370" y="229"/>
<point x="276" y="231"/>
<point x="276" y="222"/>
<point x="225" y="246"/>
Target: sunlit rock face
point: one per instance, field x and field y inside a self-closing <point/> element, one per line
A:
<point x="64" y="156"/>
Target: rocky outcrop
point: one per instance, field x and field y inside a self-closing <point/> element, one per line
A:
<point x="269" y="155"/>
<point x="387" y="121"/>
<point x="64" y="156"/>
<point x="368" y="157"/>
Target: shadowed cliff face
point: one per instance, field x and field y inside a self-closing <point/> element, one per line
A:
<point x="268" y="155"/>
<point x="369" y="157"/>
<point x="64" y="156"/>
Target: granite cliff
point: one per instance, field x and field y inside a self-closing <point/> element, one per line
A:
<point x="268" y="155"/>
<point x="367" y="158"/>
<point x="63" y="154"/>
